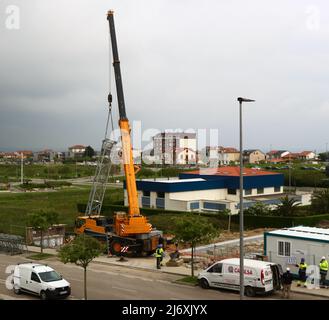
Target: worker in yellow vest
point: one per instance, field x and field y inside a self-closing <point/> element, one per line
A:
<point x="323" y="270"/>
<point x="159" y="255"/>
<point x="301" y="273"/>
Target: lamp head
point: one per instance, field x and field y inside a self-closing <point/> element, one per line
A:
<point x="240" y="99"/>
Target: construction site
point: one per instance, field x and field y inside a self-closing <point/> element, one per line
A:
<point x="122" y="231"/>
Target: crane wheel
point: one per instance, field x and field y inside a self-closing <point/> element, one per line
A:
<point x="115" y="247"/>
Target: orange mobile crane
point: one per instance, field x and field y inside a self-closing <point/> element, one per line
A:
<point x="130" y="229"/>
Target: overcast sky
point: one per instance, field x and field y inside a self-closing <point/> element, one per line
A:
<point x="184" y="63"/>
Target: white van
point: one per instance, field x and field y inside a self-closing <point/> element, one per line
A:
<point x="259" y="276"/>
<point x="40" y="280"/>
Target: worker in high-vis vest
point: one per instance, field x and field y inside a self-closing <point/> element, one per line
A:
<point x="159" y="255"/>
<point x="323" y="270"/>
<point x="301" y="273"/>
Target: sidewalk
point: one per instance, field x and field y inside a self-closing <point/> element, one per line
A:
<point x="149" y="264"/>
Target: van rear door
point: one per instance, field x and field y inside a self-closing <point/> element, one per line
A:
<point x="267" y="275"/>
<point x="276" y="273"/>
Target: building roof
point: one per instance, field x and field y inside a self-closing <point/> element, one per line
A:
<point x="168" y="134"/>
<point x="250" y="151"/>
<point x="305" y="153"/>
<point x="228" y="150"/>
<point x="77" y="146"/>
<point x="231" y="171"/>
<point x="310" y="233"/>
<point x="277" y="151"/>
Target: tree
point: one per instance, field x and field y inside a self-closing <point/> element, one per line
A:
<point x="193" y="229"/>
<point x="89" y="152"/>
<point x="81" y="251"/>
<point x="258" y="209"/>
<point x="287" y="207"/>
<point x="41" y="221"/>
<point x="320" y="201"/>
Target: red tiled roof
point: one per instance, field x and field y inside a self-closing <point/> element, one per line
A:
<point x="305" y="153"/>
<point x="230" y="171"/>
<point x="77" y="146"/>
<point x="229" y="150"/>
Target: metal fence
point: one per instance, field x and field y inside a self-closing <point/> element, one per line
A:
<point x="12" y="244"/>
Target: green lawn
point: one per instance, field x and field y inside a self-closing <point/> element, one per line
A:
<point x="15" y="207"/>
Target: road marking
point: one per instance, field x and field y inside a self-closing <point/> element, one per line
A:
<point x="72" y="279"/>
<point x="125" y="289"/>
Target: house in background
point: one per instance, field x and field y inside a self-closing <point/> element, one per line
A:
<point x="253" y="156"/>
<point x="307" y="155"/>
<point x="276" y="154"/>
<point x="175" y="148"/>
<point x="77" y="151"/>
<point x="46" y="155"/>
<point x="228" y="155"/>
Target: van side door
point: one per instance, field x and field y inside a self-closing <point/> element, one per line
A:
<point x="215" y="275"/>
<point x="34" y="283"/>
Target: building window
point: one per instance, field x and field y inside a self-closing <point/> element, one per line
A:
<point x="231" y="191"/>
<point x="277" y="189"/>
<point x="247" y="192"/>
<point x="214" y="206"/>
<point x="160" y="195"/>
<point x="146" y="193"/>
<point x="260" y="190"/>
<point x="284" y="248"/>
<point x="194" y="205"/>
<point x="160" y="203"/>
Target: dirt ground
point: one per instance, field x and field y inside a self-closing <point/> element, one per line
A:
<point x="224" y="236"/>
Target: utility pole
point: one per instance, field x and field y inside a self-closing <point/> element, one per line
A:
<point x="241" y="198"/>
<point x="22" y="165"/>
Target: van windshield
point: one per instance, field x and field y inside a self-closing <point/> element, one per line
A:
<point x="50" y="276"/>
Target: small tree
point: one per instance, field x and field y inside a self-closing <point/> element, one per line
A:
<point x="81" y="251"/>
<point x="194" y="229"/>
<point x="89" y="152"/>
<point x="258" y="209"/>
<point x="320" y="201"/>
<point x="41" y="221"/>
<point x="287" y="207"/>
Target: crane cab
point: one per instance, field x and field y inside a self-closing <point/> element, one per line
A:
<point x="96" y="226"/>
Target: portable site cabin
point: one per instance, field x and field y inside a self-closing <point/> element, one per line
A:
<point x="287" y="246"/>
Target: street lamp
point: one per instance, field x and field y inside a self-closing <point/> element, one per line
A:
<point x="241" y="199"/>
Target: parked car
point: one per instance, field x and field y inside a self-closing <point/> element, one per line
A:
<point x="40" y="280"/>
<point x="260" y="276"/>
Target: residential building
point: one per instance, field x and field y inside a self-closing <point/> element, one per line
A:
<point x="307" y="155"/>
<point x="228" y="155"/>
<point x="253" y="156"/>
<point x="177" y="148"/>
<point x="210" y="190"/>
<point x="276" y="154"/>
<point x="77" y="151"/>
<point x="46" y="155"/>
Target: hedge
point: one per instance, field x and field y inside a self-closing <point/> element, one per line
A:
<point x="280" y="222"/>
<point x="249" y="221"/>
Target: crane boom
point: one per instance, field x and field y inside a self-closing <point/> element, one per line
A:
<point x="127" y="155"/>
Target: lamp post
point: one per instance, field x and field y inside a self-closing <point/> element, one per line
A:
<point x="241" y="199"/>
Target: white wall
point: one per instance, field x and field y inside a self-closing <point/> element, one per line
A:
<point x="215" y="194"/>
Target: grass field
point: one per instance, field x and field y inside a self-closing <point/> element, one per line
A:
<point x="15" y="207"/>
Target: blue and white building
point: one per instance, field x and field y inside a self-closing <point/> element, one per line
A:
<point x="210" y="190"/>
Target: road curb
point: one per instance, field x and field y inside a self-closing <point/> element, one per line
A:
<point x="310" y="293"/>
<point x="139" y="268"/>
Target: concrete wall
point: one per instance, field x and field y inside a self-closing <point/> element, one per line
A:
<point x="215" y="194"/>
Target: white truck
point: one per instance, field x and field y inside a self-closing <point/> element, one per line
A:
<point x="40" y="280"/>
<point x="259" y="276"/>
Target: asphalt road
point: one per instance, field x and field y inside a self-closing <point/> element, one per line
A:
<point x="120" y="283"/>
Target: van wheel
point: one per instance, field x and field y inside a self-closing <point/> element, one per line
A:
<point x="43" y="295"/>
<point x="249" y="291"/>
<point x="204" y="283"/>
<point x="17" y="291"/>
